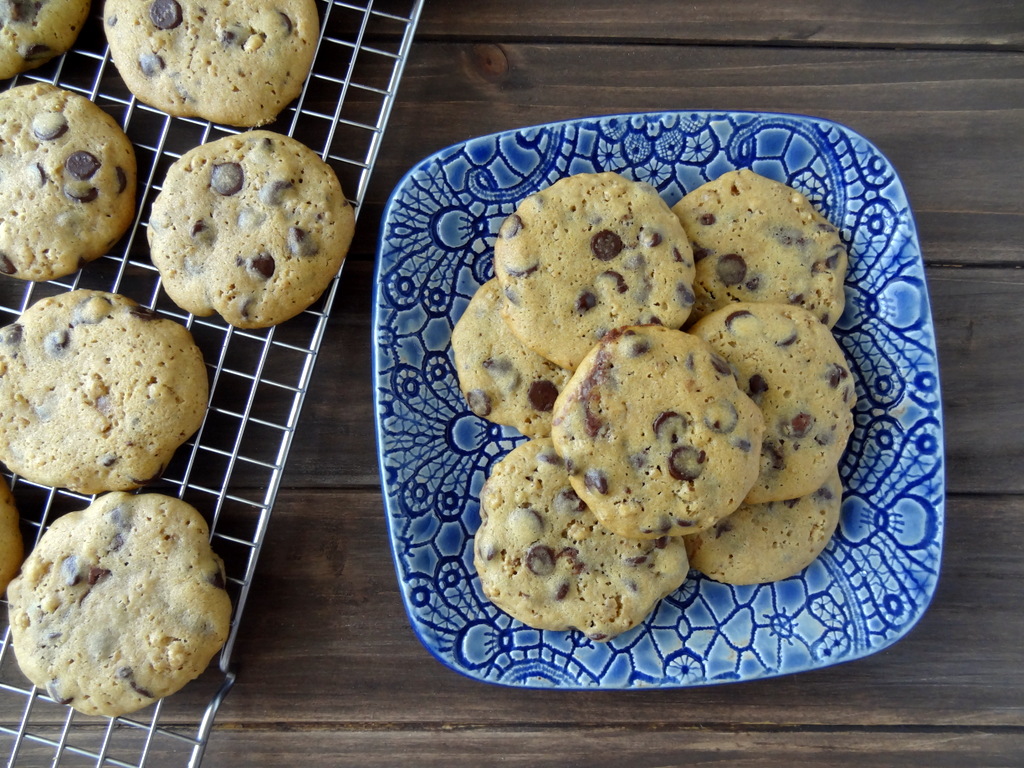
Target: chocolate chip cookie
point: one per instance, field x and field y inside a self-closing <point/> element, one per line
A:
<point x="591" y="253"/>
<point x="793" y="368"/>
<point x="759" y="543"/>
<point x="500" y="378"/>
<point x="543" y="558"/>
<point x="34" y="31"/>
<point x="96" y="392"/>
<point x="657" y="437"/>
<point x="12" y="547"/>
<point x="119" y="604"/>
<point x="67" y="182"/>
<point x="253" y="227"/>
<point x="755" y="239"/>
<point x="238" y="63"/>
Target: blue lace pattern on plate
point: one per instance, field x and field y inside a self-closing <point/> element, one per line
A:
<point x="877" y="576"/>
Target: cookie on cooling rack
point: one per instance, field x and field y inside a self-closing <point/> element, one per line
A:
<point x="755" y="239"/>
<point x="67" y="182"/>
<point x="501" y="379"/>
<point x="12" y="547"/>
<point x="759" y="543"/>
<point x="793" y="368"/>
<point x="119" y="604"/>
<point x="97" y="392"/>
<point x="34" y="31"/>
<point x="253" y="227"/>
<point x="657" y="437"/>
<point x="544" y="559"/>
<point x="590" y="253"/>
<point x="234" y="63"/>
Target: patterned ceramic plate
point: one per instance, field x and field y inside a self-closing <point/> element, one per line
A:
<point x="875" y="579"/>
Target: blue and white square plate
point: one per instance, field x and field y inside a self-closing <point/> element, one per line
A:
<point x="877" y="576"/>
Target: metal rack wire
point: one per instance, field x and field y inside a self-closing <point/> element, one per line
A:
<point x="231" y="470"/>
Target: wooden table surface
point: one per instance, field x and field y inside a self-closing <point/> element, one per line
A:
<point x="329" y="670"/>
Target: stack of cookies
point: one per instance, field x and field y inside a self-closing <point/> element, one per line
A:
<point x="687" y="401"/>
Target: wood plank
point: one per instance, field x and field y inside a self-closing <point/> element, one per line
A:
<point x="931" y="113"/>
<point x="326" y="640"/>
<point x="810" y="22"/>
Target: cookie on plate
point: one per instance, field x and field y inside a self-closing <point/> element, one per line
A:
<point x="253" y="227"/>
<point x="657" y="437"/>
<point x="119" y="604"/>
<point x="543" y="558"/>
<point x="34" y="31"/>
<point x="591" y="253"/>
<point x="755" y="239"/>
<point x="759" y="543"/>
<point x="12" y="547"/>
<point x="67" y="182"/>
<point x="500" y="378"/>
<point x="96" y="392"/>
<point x="235" y="63"/>
<point x="793" y="368"/>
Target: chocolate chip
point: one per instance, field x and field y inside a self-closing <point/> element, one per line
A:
<point x="511" y="227"/>
<point x="108" y="459"/>
<point x="479" y="402"/>
<point x="753" y="283"/>
<point x="640" y="347"/>
<point x="723" y="527"/>
<point x="6" y="265"/>
<point x="37" y="52"/>
<point x="734" y="316"/>
<point x="522" y="272"/>
<point x="669" y="425"/>
<point x="773" y="452"/>
<point x="586" y="302"/>
<point x="562" y="591"/>
<point x="707" y="219"/>
<point x="227" y="179"/>
<point x="273" y="193"/>
<point x="122" y="179"/>
<point x="48" y="126"/>
<point x="788" y="341"/>
<point x="542" y="395"/>
<point x="686" y="463"/>
<point x="12" y="334"/>
<point x="677" y="256"/>
<point x="652" y="239"/>
<point x="286" y="21"/>
<point x="721" y="416"/>
<point x="81" y="194"/>
<point x="596" y="481"/>
<point x="56" y="342"/>
<point x="721" y="365"/>
<point x="300" y="243"/>
<point x="96" y="573"/>
<point x="540" y="560"/>
<point x="217" y="580"/>
<point x="139" y="312"/>
<point x="550" y="457"/>
<point x="796" y="298"/>
<point x="52" y="689"/>
<point x="151" y="64"/>
<point x="731" y="269"/>
<point x="684" y="295"/>
<point x="699" y="254"/>
<point x="263" y="265"/>
<point x="620" y="281"/>
<point x="799" y="425"/>
<point x="568" y="502"/>
<point x="757" y="385"/>
<point x="81" y="165"/>
<point x="835" y="374"/>
<point x="636" y="560"/>
<point x="605" y="245"/>
<point x="69" y="570"/>
<point x="165" y="14"/>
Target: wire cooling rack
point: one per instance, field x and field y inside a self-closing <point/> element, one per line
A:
<point x="231" y="470"/>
